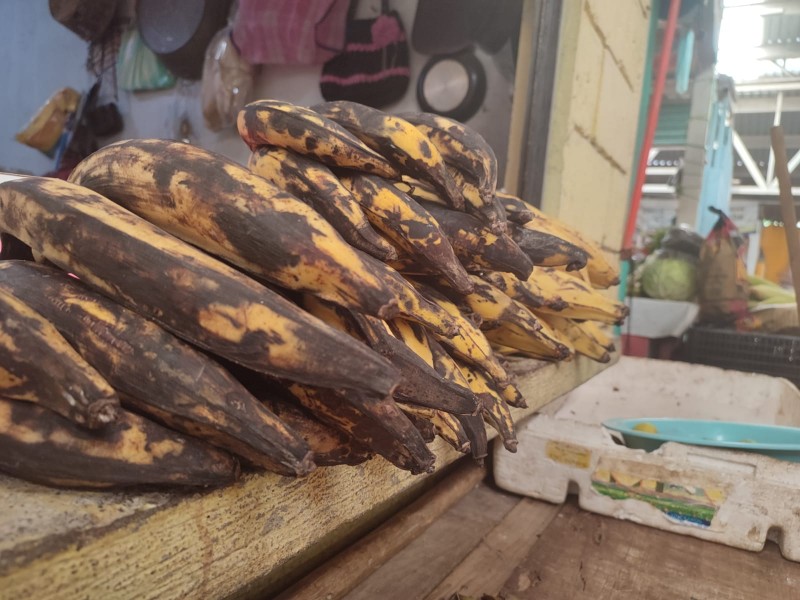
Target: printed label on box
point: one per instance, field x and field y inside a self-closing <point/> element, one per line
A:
<point x="571" y="455"/>
<point x="681" y="499"/>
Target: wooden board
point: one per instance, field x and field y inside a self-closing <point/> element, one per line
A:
<point x="583" y="555"/>
<point x="245" y="540"/>
<point x="488" y="566"/>
<point x="416" y="570"/>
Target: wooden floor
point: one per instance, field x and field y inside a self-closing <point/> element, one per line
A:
<point x="504" y="546"/>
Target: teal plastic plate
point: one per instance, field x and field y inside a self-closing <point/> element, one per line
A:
<point x="775" y="441"/>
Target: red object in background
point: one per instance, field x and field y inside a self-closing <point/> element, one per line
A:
<point x="652" y="121"/>
<point x="662" y="348"/>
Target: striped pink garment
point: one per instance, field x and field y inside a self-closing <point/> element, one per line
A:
<point x="290" y="32"/>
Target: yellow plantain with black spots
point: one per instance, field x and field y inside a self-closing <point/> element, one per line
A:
<point x="412" y="306"/>
<point x="469" y="344"/>
<point x="494" y="408"/>
<point x="597" y="333"/>
<point x="462" y="147"/>
<point x="194" y="296"/>
<point x="281" y="124"/>
<point x="38" y="365"/>
<point x="495" y="307"/>
<point x="527" y="292"/>
<point x="39" y="445"/>
<point x="581" y="299"/>
<point x="601" y="272"/>
<point x="419" y="384"/>
<point x="445" y="425"/>
<point x="156" y="373"/>
<point x="315" y="184"/>
<point x="546" y="249"/>
<point x="472" y="425"/>
<point x="330" y="446"/>
<point x="581" y="341"/>
<point x="485" y="209"/>
<point x="213" y="203"/>
<point x="409" y="226"/>
<point x="543" y="343"/>
<point x="378" y="424"/>
<point x="477" y="247"/>
<point x="515" y="208"/>
<point x="402" y="144"/>
<point x="423" y="424"/>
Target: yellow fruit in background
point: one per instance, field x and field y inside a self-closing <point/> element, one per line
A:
<point x="645" y="427"/>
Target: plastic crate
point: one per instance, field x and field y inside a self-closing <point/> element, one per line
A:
<point x="767" y="353"/>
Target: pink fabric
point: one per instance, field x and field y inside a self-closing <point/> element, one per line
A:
<point x="366" y="77"/>
<point x="290" y="32"/>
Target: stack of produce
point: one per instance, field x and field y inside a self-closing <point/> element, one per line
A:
<point x="349" y="294"/>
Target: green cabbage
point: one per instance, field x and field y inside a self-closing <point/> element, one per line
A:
<point x="668" y="278"/>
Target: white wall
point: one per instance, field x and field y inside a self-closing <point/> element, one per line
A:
<point x="42" y="56"/>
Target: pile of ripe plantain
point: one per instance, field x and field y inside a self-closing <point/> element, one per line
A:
<point x="349" y="294"/>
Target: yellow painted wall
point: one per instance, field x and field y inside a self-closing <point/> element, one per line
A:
<point x="595" y="112"/>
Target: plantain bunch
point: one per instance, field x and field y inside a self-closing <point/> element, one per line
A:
<point x="356" y="290"/>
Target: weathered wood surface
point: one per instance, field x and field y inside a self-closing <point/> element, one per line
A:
<point x="495" y="543"/>
<point x="241" y="541"/>
<point x="582" y="555"/>
<point x="348" y="568"/>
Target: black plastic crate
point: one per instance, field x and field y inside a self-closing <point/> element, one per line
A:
<point x="768" y="353"/>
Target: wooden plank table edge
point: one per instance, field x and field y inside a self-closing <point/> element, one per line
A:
<point x="237" y="541"/>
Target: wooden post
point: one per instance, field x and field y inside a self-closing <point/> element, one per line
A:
<point x="788" y="212"/>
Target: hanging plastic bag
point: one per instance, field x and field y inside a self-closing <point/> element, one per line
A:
<point x="49" y="123"/>
<point x="227" y="82"/>
<point x="722" y="286"/>
<point x="138" y="69"/>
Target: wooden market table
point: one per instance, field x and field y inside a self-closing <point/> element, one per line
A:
<point x="245" y="540"/>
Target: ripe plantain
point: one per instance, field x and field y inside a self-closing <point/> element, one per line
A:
<point x="484" y="208"/>
<point x="543" y="343"/>
<point x="445" y="425"/>
<point x="475" y="430"/>
<point x="315" y="184"/>
<point x="423" y="424"/>
<point x="41" y="446"/>
<point x="496" y="308"/>
<point x="462" y="147"/>
<point x="469" y="344"/>
<point x="38" y="365"/>
<point x="527" y="292"/>
<point x="492" y="214"/>
<point x="412" y="306"/>
<point x="495" y="409"/>
<point x="408" y="226"/>
<point x="378" y="424"/>
<point x="402" y="144"/>
<point x="281" y="124"/>
<point x="330" y="446"/>
<point x="156" y="373"/>
<point x="597" y="333"/>
<point x="582" y="342"/>
<point x="477" y="247"/>
<point x="547" y="250"/>
<point x="515" y="208"/>
<point x="582" y="300"/>
<point x="213" y="203"/>
<point x="602" y="273"/>
<point x="189" y="293"/>
<point x="420" y="384"/>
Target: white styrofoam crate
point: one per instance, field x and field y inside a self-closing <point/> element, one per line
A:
<point x="734" y="498"/>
